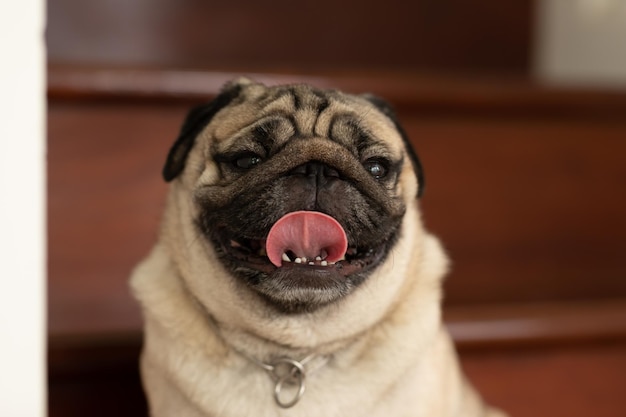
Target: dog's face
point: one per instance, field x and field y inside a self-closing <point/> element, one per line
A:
<point x="300" y="193"/>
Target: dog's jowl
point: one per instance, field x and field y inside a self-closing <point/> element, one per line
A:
<point x="293" y="275"/>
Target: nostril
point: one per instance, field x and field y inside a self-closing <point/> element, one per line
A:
<point x="315" y="169"/>
<point x="330" y="172"/>
<point x="300" y="170"/>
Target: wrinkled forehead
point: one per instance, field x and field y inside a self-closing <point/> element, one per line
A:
<point x="277" y="114"/>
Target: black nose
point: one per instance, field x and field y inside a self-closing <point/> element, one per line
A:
<point x="316" y="169"/>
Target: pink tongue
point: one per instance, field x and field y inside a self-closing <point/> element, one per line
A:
<point x="307" y="234"/>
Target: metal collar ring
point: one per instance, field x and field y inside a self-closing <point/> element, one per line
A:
<point x="296" y="375"/>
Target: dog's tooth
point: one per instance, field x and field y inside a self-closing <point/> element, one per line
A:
<point x="343" y="258"/>
<point x="311" y="263"/>
<point x="324" y="263"/>
<point x="304" y="259"/>
<point x="286" y="258"/>
<point x="298" y="260"/>
<point x="318" y="258"/>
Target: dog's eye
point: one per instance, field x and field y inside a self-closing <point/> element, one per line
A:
<point x="376" y="168"/>
<point x="247" y="161"/>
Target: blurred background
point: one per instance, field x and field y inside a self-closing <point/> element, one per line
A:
<point x="518" y="112"/>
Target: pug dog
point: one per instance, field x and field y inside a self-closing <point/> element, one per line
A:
<point x="292" y="275"/>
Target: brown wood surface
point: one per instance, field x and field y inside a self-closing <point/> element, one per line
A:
<point x="105" y="197"/>
<point x="536" y="324"/>
<point x="452" y="35"/>
<point x="581" y="381"/>
<point x="528" y="210"/>
<point x="415" y="93"/>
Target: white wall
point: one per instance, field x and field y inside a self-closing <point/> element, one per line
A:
<point x="22" y="215"/>
<point x="581" y="42"/>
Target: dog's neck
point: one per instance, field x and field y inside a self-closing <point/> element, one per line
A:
<point x="286" y="366"/>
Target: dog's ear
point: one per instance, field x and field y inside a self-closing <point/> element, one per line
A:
<point x="388" y="111"/>
<point x="196" y="120"/>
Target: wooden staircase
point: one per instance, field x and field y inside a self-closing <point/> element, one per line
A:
<point x="525" y="187"/>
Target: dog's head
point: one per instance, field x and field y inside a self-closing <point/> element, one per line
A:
<point x="300" y="193"/>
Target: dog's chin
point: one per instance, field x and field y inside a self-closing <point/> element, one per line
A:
<point x="296" y="288"/>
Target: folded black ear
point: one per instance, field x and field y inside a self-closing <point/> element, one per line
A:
<point x="387" y="110"/>
<point x="196" y="121"/>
